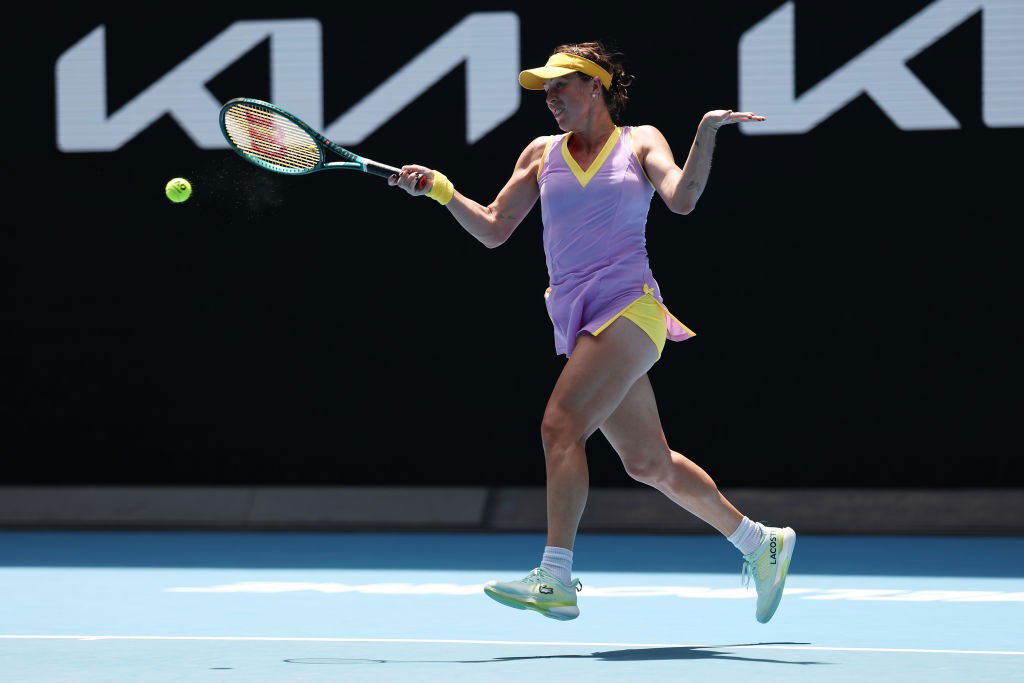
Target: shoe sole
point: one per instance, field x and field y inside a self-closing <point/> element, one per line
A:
<point x="559" y="613"/>
<point x="788" y="543"/>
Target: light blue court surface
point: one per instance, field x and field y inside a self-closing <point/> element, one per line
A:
<point x="211" y="606"/>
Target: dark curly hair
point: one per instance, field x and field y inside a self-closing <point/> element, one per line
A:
<point x="617" y="96"/>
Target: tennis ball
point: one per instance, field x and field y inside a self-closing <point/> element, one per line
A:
<point x="178" y="190"/>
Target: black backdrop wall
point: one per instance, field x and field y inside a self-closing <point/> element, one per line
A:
<point x="853" y="287"/>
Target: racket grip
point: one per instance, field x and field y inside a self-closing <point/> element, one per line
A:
<point x="381" y="170"/>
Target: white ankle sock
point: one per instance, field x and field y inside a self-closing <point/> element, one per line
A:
<point x="748" y="536"/>
<point x="558" y="563"/>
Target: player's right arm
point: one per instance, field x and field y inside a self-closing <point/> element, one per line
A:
<point x="492" y="224"/>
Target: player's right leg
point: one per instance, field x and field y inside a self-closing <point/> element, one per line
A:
<point x="539" y="591"/>
<point x="593" y="382"/>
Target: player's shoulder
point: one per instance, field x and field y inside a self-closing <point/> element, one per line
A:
<point x="646" y="138"/>
<point x="645" y="132"/>
<point x="535" y="149"/>
<point x="541" y="141"/>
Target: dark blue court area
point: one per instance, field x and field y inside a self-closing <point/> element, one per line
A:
<point x="213" y="606"/>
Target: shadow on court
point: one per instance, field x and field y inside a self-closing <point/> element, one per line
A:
<point x="643" y="654"/>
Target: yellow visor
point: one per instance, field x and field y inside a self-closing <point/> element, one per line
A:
<point x="560" y="64"/>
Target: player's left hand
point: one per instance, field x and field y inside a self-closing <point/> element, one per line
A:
<point x="723" y="117"/>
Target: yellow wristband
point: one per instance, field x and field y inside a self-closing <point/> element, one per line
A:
<point x="442" y="190"/>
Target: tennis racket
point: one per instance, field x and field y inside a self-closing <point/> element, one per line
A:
<point x="271" y="138"/>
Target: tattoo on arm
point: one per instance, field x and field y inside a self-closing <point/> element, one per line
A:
<point x="693" y="185"/>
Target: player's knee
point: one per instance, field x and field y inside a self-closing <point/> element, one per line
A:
<point x="648" y="465"/>
<point x="560" y="428"/>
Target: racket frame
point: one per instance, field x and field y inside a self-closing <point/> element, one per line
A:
<point x="353" y="162"/>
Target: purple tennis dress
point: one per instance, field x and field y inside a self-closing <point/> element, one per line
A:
<point x="594" y="242"/>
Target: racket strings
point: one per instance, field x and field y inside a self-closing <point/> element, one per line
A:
<point x="270" y="137"/>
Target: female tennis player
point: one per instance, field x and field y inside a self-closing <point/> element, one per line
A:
<point x="595" y="182"/>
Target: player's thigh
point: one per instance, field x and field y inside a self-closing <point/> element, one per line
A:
<point x="597" y="377"/>
<point x="634" y="429"/>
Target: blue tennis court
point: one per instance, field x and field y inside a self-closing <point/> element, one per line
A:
<point x="205" y="606"/>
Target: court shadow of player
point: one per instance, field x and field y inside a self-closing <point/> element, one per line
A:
<point x="650" y="654"/>
<point x="639" y="654"/>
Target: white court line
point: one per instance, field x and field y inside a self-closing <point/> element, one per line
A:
<point x="517" y="642"/>
<point x="699" y="592"/>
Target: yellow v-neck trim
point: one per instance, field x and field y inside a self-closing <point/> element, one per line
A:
<point x="585" y="176"/>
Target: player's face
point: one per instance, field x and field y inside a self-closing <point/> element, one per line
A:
<point x="569" y="99"/>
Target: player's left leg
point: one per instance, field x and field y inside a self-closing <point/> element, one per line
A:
<point x="634" y="431"/>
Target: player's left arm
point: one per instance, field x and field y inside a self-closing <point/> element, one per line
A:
<point x="680" y="188"/>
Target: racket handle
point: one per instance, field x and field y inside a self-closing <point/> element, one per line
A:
<point x="381" y="170"/>
<point x="387" y="171"/>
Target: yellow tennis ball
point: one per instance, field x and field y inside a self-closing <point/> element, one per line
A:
<point x="178" y="190"/>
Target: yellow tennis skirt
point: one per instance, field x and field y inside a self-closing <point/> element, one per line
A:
<point x="648" y="315"/>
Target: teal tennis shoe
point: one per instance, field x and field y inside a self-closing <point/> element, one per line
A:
<point x="768" y="567"/>
<point x="539" y="591"/>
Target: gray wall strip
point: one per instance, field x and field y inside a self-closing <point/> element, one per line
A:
<point x="868" y="511"/>
<point x="243" y="507"/>
<point x="642" y="510"/>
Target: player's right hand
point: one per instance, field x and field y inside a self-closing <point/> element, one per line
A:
<point x="416" y="180"/>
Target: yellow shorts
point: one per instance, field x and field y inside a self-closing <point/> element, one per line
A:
<point x="648" y="315"/>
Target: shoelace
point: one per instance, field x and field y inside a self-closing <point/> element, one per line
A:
<point x="535" y="577"/>
<point x="749" y="569"/>
<point x="747" y="572"/>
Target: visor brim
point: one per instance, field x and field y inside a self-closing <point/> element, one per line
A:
<point x="533" y="79"/>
